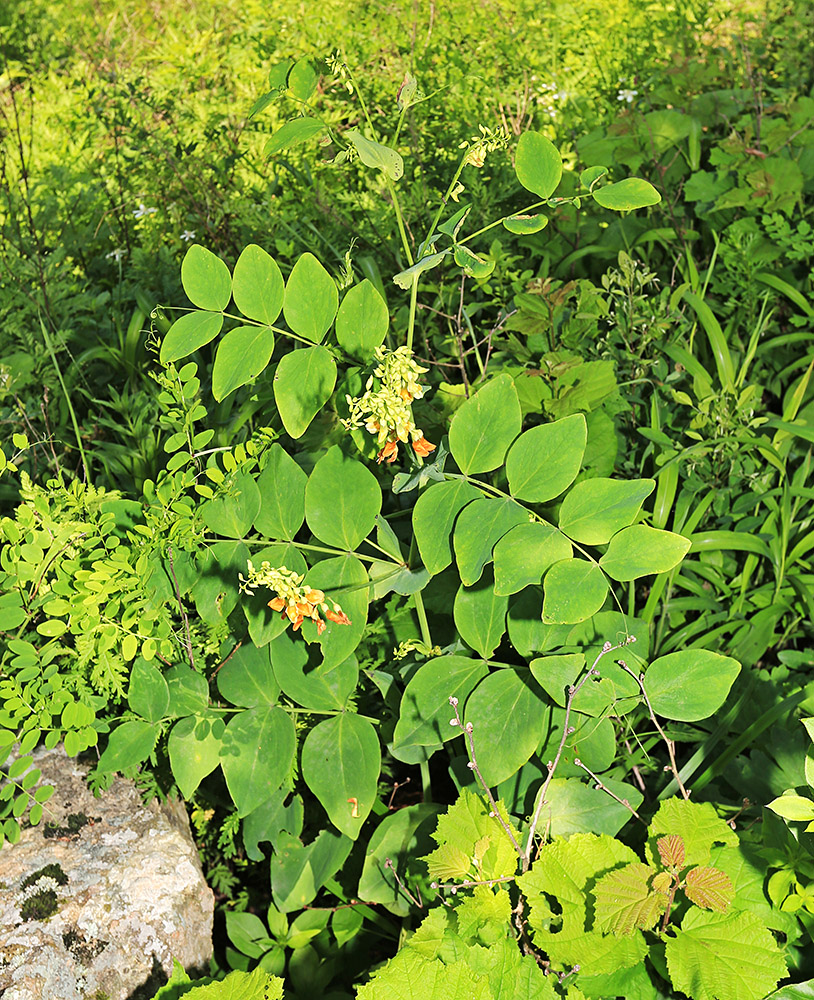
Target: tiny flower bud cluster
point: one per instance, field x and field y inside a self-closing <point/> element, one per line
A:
<point x="294" y="600"/>
<point x="487" y="142"/>
<point x="385" y="409"/>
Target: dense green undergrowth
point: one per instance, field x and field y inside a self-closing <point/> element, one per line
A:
<point x="407" y="461"/>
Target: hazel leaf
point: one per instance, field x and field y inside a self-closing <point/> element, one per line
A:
<point x="625" y="900"/>
<point x="709" y="888"/>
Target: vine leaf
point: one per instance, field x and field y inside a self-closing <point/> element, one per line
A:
<point x="671" y="851"/>
<point x="625" y="900"/>
<point x="732" y="955"/>
<point x="710" y="888"/>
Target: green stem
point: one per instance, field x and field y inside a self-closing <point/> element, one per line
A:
<point x="71" y="410"/>
<point x="425" y="780"/>
<point x="413" y="306"/>
<point x="333" y="552"/>
<point x="499" y="222"/>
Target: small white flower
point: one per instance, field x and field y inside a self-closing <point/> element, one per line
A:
<point x="116" y="254"/>
<point x="142" y="210"/>
<point x="626" y="95"/>
<point x="187" y="235"/>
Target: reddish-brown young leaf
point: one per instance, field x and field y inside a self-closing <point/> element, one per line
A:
<point x="671" y="851"/>
<point x="710" y="888"/>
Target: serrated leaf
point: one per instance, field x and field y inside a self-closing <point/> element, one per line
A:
<point x="467" y="822"/>
<point x="449" y="862"/>
<point x="714" y="956"/>
<point x="410" y="976"/>
<point x="698" y="825"/>
<point x="671" y="851"/>
<point x="625" y="901"/>
<point x="710" y="888"/>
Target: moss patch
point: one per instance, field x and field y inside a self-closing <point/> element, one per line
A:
<point x="40" y="906"/>
<point x="83" y="951"/>
<point x="49" y="871"/>
<point x="70" y="830"/>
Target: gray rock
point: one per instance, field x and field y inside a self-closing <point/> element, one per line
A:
<point x="101" y="896"/>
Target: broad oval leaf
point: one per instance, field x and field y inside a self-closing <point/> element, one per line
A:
<point x="302" y="79"/>
<point x="130" y="743"/>
<point x="545" y="460"/>
<point x="247" y="679"/>
<point x="311" y="299"/>
<point x="640" y="550"/>
<point x="485" y="425"/>
<point x="194" y="751"/>
<point x="206" y="279"/>
<point x="574" y="589"/>
<point x="242" y="354"/>
<point x="434" y="516"/>
<point x="188" y="333"/>
<point x="257" y="285"/>
<point x="507" y="713"/>
<point x="626" y="195"/>
<point x="362" y="321"/>
<point x="341" y="761"/>
<point x="232" y="515"/>
<point x="480" y="616"/>
<point x="282" y="495"/>
<point x="342" y="499"/>
<point x="303" y="383"/>
<point x="293" y="132"/>
<point x="345" y="581"/>
<point x="525" y="225"/>
<point x="322" y="688"/>
<point x="374" y="154"/>
<point x="524" y="554"/>
<point x="690" y="684"/>
<point x="538" y="164"/>
<point x="473" y="266"/>
<point x="596" y="509"/>
<point x="148" y="694"/>
<point x="480" y="525"/>
<point x="256" y="755"/>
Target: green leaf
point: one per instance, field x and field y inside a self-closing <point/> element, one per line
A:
<point x="362" y="321"/>
<point x="130" y="743"/>
<point x="640" y="550"/>
<point x="405" y="279"/>
<point x="344" y="581"/>
<point x="591" y="175"/>
<point x="257" y="755"/>
<point x="473" y="266"/>
<point x="524" y="554"/>
<point x="342" y="499"/>
<point x="257" y="285"/>
<point x="303" y="383"/>
<point x="189" y="692"/>
<point x="410" y="976"/>
<point x="575" y="807"/>
<point x="716" y="955"/>
<point x="545" y="460"/>
<point x="690" y="684"/>
<point x="311" y="299"/>
<point x="710" y="888"/>
<point x="796" y="808"/>
<point x="374" y="154"/>
<point x="626" y="195"/>
<point x="479" y="526"/>
<point x="480" y="616"/>
<point x="538" y="164"/>
<point x="402" y="836"/>
<point x="485" y="425"/>
<point x="506" y="710"/>
<point x="525" y="225"/>
<point x="698" y="825"/>
<point x="242" y="354"/>
<point x="557" y="672"/>
<point x="206" y="279"/>
<point x="187" y="334"/>
<point x="468" y="827"/>
<point x="292" y="133"/>
<point x="433" y="517"/>
<point x="425" y="711"/>
<point x="282" y="495"/>
<point x="596" y="509"/>
<point x="574" y="589"/>
<point x="625" y="900"/>
<point x="341" y="761"/>
<point x="216" y="592"/>
<point x="247" y="678"/>
<point x="233" y="515"/>
<point x="148" y="694"/>
<point x="298" y="873"/>
<point x="322" y="688"/>
<point x="194" y="751"/>
<point x="302" y="79"/>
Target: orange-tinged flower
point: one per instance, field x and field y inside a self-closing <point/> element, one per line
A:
<point x="277" y="604"/>
<point x="389" y="452"/>
<point x="422" y="447"/>
<point x="337" y="616"/>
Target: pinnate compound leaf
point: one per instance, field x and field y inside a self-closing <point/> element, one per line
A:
<point x="690" y="684"/>
<point x="574" y="589"/>
<point x="187" y="334"/>
<point x="206" y="279"/>
<point x="710" y="888"/>
<point x="596" y="509"/>
<point x="342" y="499"/>
<point x="545" y="460"/>
<point x="242" y="354"/>
<point x="465" y="825"/>
<point x="698" y="825"/>
<point x="538" y="164"/>
<point x="625" y="900"/>
<point x="303" y="383"/>
<point x="311" y="299"/>
<point x="671" y="851"/>
<point x="626" y="195"/>
<point x="641" y="550"/>
<point x="715" y="956"/>
<point x="433" y="517"/>
<point x="485" y="425"/>
<point x="524" y="554"/>
<point x="362" y="320"/>
<point x="257" y="285"/>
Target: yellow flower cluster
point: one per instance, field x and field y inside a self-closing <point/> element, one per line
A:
<point x="385" y="409"/>
<point x="294" y="600"/>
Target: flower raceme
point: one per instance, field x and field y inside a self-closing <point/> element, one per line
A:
<point x="385" y="408"/>
<point x="294" y="600"/>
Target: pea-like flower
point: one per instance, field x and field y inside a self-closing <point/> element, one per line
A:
<point x="294" y="599"/>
